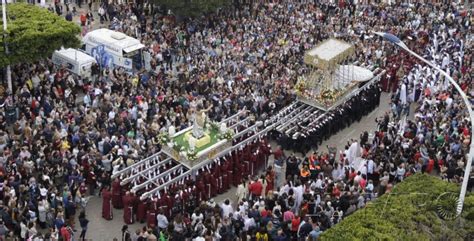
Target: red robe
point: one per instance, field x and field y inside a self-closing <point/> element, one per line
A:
<point x="117" y="194"/>
<point x="253" y="164"/>
<point x="216" y="173"/>
<point x="151" y="214"/>
<point x="224" y="178"/>
<point x="230" y="172"/>
<point x="141" y="211"/>
<point x="238" y="173"/>
<point x="107" y="205"/>
<point x="165" y="204"/>
<point x="214" y="184"/>
<point x="266" y="150"/>
<point x="128" y="209"/>
<point x="209" y="189"/>
<point x="201" y="193"/>
<point x="270" y="178"/>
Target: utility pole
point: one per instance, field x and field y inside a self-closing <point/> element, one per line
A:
<point x="9" y="73"/>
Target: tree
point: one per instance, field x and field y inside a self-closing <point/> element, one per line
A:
<point x="192" y="8"/>
<point x="415" y="210"/>
<point x="34" y="33"/>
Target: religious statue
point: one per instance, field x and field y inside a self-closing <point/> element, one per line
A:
<point x="199" y="120"/>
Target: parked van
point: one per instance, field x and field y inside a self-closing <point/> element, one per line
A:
<point x="75" y="61"/>
<point x="111" y="48"/>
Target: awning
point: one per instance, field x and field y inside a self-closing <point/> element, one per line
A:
<point x="133" y="48"/>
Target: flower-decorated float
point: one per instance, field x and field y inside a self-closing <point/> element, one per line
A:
<point x="203" y="140"/>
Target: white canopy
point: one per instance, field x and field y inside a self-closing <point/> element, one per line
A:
<point x="349" y="73"/>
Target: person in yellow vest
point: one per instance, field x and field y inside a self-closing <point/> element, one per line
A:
<point x="304" y="173"/>
<point x="261" y="235"/>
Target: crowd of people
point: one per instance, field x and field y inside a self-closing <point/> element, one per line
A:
<point x="61" y="137"/>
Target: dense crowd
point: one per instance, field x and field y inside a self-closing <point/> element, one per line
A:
<point x="61" y="137"/>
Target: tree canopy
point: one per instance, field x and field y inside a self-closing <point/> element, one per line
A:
<point x="192" y="8"/>
<point x="413" y="211"/>
<point x="34" y="33"/>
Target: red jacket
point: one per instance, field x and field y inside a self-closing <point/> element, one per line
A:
<point x="256" y="188"/>
<point x="66" y="235"/>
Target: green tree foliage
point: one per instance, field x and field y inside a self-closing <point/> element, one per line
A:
<point x="192" y="8"/>
<point x="410" y="212"/>
<point x="35" y="33"/>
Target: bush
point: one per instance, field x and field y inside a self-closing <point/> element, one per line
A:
<point x="35" y="33"/>
<point x="410" y="212"/>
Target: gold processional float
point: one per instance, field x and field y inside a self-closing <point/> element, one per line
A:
<point x="331" y="78"/>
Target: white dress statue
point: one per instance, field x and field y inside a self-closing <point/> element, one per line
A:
<point x="199" y="120"/>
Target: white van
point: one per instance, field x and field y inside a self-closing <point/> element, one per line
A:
<point x="111" y="48"/>
<point x="75" y="61"/>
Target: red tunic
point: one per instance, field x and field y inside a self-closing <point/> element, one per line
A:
<point x="117" y="194"/>
<point x="230" y="172"/>
<point x="214" y="184"/>
<point x="253" y="164"/>
<point x="224" y="175"/>
<point x="238" y="171"/>
<point x="151" y="214"/>
<point x="128" y="209"/>
<point x="270" y="178"/>
<point x="166" y="204"/>
<point x="216" y="173"/>
<point x="141" y="211"/>
<point x="209" y="189"/>
<point x="107" y="205"/>
<point x="201" y="193"/>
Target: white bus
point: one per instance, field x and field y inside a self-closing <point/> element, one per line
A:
<point x="111" y="48"/>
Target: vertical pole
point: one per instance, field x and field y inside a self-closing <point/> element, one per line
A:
<point x="4" y="18"/>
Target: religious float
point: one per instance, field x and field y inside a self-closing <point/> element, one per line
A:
<point x="332" y="78"/>
<point x="197" y="143"/>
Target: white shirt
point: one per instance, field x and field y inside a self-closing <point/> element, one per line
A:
<point x="162" y="221"/>
<point x="248" y="223"/>
<point x="370" y="166"/>
<point x="226" y="210"/>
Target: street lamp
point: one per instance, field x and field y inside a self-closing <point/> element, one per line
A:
<point x="4" y="19"/>
<point x="395" y="40"/>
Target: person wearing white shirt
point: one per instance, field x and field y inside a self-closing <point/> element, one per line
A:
<point x="226" y="208"/>
<point x="248" y="223"/>
<point x="197" y="217"/>
<point x="370" y="168"/>
<point x="162" y="221"/>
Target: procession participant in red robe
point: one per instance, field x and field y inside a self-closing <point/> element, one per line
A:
<point x="230" y="172"/>
<point x="225" y="182"/>
<point x="107" y="204"/>
<point x="266" y="150"/>
<point x="201" y="193"/>
<point x="238" y="171"/>
<point x="207" y="179"/>
<point x="270" y="178"/>
<point x="253" y="163"/>
<point x="141" y="210"/>
<point x="216" y="173"/>
<point x="165" y="203"/>
<point x="214" y="184"/>
<point x="185" y="194"/>
<point x="128" y="208"/>
<point x="117" y="194"/>
<point x="151" y="213"/>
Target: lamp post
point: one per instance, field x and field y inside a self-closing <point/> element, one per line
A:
<point x="4" y="18"/>
<point x="395" y="40"/>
